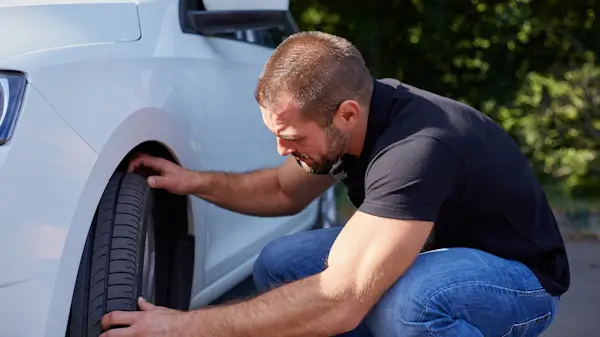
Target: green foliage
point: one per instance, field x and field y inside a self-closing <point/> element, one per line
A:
<point x="530" y="65"/>
<point x="556" y="119"/>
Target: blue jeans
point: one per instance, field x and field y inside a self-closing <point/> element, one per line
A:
<point x="447" y="292"/>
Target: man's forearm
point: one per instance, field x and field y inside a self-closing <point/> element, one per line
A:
<point x="302" y="308"/>
<point x="255" y="193"/>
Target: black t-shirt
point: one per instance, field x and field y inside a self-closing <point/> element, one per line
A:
<point x="427" y="157"/>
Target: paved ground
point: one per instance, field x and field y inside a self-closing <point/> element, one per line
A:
<point x="579" y="312"/>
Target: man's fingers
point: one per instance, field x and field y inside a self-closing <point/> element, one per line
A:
<point x="157" y="181"/>
<point x="135" y="162"/>
<point x="114" y="318"/>
<point x="122" y="332"/>
<point x="155" y="163"/>
<point x="143" y="305"/>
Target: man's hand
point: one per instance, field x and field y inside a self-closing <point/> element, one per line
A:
<point x="170" y="177"/>
<point x="151" y="321"/>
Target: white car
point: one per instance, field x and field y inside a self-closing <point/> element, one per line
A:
<point x="85" y="85"/>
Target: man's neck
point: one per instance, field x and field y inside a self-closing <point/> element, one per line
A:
<point x="357" y="139"/>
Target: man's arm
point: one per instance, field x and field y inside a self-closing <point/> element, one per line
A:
<point x="283" y="190"/>
<point x="369" y="255"/>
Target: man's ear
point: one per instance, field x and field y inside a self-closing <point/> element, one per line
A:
<point x="347" y="114"/>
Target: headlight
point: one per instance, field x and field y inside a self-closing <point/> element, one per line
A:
<point x="12" y="87"/>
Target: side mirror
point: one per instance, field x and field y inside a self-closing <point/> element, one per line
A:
<point x="227" y="21"/>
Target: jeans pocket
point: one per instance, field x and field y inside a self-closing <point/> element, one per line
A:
<point x="531" y="328"/>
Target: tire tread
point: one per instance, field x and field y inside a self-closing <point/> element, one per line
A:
<point x="107" y="280"/>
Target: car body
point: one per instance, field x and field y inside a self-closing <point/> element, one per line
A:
<point x="103" y="80"/>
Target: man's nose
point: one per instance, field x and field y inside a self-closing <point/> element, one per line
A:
<point x="283" y="148"/>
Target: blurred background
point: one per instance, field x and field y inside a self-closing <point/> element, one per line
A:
<point x="530" y="65"/>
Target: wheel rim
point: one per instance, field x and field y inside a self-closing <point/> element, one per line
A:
<point x="148" y="273"/>
<point x="328" y="209"/>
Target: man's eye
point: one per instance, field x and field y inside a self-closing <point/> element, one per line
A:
<point x="293" y="139"/>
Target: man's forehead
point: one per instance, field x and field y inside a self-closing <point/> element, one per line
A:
<point x="285" y="109"/>
<point x="281" y="118"/>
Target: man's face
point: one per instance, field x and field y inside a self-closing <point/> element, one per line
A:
<point x="316" y="147"/>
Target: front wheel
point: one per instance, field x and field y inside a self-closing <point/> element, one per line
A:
<point x="119" y="260"/>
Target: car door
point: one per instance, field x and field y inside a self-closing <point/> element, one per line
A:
<point x="231" y="132"/>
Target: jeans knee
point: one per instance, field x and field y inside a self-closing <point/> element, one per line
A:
<point x="266" y="272"/>
<point x="397" y="313"/>
<point x="293" y="257"/>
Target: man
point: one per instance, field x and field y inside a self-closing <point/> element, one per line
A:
<point x="453" y="236"/>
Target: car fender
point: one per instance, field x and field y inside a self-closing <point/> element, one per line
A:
<point x="147" y="124"/>
<point x="51" y="181"/>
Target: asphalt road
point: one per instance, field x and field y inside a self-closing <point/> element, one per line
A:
<point x="579" y="310"/>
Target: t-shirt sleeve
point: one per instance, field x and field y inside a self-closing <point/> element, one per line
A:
<point x="411" y="179"/>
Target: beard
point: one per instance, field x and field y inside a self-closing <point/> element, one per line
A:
<point x="336" y="144"/>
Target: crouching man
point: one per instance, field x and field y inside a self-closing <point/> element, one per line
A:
<point x="453" y="235"/>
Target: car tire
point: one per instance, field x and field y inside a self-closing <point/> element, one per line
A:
<point x="117" y="256"/>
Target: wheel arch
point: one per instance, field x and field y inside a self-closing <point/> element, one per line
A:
<point x="176" y="210"/>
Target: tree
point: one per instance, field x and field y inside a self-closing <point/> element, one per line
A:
<point x="556" y="118"/>
<point x="529" y="65"/>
